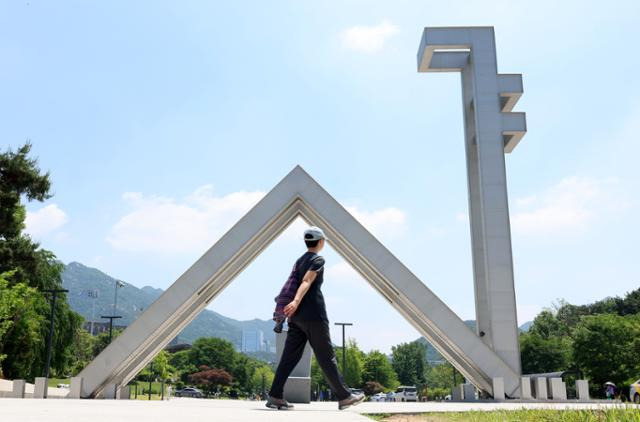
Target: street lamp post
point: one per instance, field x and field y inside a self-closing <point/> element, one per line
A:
<point x="344" y="350"/>
<point x="115" y="298"/>
<point x="54" y="296"/>
<point x="110" y="318"/>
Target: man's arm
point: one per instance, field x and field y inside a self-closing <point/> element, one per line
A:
<point x="305" y="285"/>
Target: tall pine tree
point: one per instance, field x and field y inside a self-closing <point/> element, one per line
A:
<point x="20" y="179"/>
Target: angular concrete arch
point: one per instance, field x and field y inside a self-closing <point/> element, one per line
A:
<point x="297" y="195"/>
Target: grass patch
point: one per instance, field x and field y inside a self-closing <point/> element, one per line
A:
<point x="53" y="382"/>
<point x="630" y="414"/>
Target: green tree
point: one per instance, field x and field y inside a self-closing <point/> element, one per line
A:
<point x="20" y="325"/>
<point x="606" y="348"/>
<point x="262" y="377"/>
<point x="441" y="376"/>
<point x="83" y="347"/>
<point x="184" y="367"/>
<point x="101" y="341"/>
<point x="377" y="367"/>
<point x="214" y="353"/>
<point x="540" y="354"/>
<point x="318" y="381"/>
<point x="408" y="361"/>
<point x="354" y="363"/>
<point x="547" y="325"/>
<point x="20" y="177"/>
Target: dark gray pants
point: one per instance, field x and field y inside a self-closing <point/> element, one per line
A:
<point x="317" y="332"/>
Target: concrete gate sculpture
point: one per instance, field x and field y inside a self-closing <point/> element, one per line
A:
<point x="490" y="130"/>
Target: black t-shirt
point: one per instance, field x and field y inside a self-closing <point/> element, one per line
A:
<point x="312" y="306"/>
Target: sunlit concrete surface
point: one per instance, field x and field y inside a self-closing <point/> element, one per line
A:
<point x="195" y="410"/>
<point x="192" y="410"/>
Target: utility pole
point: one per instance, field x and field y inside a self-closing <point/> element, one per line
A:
<point x="54" y="296"/>
<point x="110" y="318"/>
<point x="115" y="299"/>
<point x="150" y="377"/>
<point x="344" y="350"/>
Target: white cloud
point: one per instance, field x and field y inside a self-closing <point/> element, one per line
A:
<point x="462" y="217"/>
<point x="45" y="220"/>
<point x="165" y="225"/>
<point x="160" y="224"/>
<point x="368" y="39"/>
<point x="386" y="223"/>
<point x="343" y="273"/>
<point x="569" y="206"/>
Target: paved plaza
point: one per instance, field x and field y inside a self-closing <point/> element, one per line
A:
<point x="196" y="410"/>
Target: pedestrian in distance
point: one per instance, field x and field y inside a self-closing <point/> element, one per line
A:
<point x="308" y="321"/>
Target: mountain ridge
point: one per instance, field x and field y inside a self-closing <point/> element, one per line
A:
<point x="132" y="301"/>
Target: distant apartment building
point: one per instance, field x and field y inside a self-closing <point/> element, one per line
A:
<point x="252" y="341"/>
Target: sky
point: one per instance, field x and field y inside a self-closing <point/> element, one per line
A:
<point x="162" y="123"/>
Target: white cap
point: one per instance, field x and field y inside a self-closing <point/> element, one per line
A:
<point x="314" y="233"/>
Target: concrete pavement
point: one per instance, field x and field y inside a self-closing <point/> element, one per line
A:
<point x="196" y="410"/>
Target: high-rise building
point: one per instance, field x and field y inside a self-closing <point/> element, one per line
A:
<point x="252" y="340"/>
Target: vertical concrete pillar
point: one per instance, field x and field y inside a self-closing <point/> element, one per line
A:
<point x="40" y="389"/>
<point x="498" y="388"/>
<point x="525" y="388"/>
<point x="297" y="389"/>
<point x="110" y="391"/>
<point x="75" y="388"/>
<point x="541" y="388"/>
<point x="469" y="392"/>
<point x="556" y="390"/>
<point x="456" y="393"/>
<point x="125" y="393"/>
<point x="582" y="390"/>
<point x="491" y="129"/>
<point x="18" y="387"/>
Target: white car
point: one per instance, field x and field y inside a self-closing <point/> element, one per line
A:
<point x="407" y="393"/>
<point x="634" y="392"/>
<point x="379" y="397"/>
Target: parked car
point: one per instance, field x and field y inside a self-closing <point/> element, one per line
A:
<point x="407" y="393"/>
<point x="378" y="397"/>
<point x="391" y="396"/>
<point x="634" y="392"/>
<point x="189" y="392"/>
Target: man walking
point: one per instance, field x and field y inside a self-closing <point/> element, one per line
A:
<point x="308" y="322"/>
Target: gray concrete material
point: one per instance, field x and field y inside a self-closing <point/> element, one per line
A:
<point x="582" y="390"/>
<point x="297" y="390"/>
<point x="75" y="388"/>
<point x="557" y="389"/>
<point x="491" y="129"/>
<point x="525" y="388"/>
<point x="40" y="389"/>
<point x="303" y="368"/>
<point x="18" y="389"/>
<point x="469" y="392"/>
<point x="296" y="195"/>
<point x="110" y="392"/>
<point x="457" y="393"/>
<point x="498" y="388"/>
<point x="184" y="409"/>
<point x="540" y="387"/>
<point x="125" y="393"/>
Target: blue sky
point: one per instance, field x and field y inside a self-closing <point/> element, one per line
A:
<point x="163" y="122"/>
